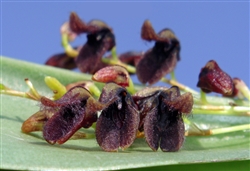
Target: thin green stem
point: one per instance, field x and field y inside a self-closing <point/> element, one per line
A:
<point x="221" y="110"/>
<point x="18" y="94"/>
<point x="245" y="91"/>
<point x="173" y="76"/>
<point x="32" y="94"/>
<point x="32" y="89"/>
<point x="203" y="97"/>
<point x="129" y="68"/>
<point x="181" y="86"/>
<point x="230" y="129"/>
<point x="71" y="52"/>
<point x="194" y="130"/>
<point x="114" y="54"/>
<point x="131" y="88"/>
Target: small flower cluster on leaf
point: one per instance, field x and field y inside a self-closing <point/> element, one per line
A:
<point x="155" y="111"/>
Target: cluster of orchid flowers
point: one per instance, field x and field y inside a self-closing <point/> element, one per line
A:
<point x="120" y="112"/>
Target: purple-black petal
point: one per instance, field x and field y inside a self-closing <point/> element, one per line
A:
<point x="98" y="43"/>
<point x="61" y="60"/>
<point x="118" y="123"/>
<point x="69" y="115"/>
<point x="157" y="62"/>
<point x="161" y="113"/>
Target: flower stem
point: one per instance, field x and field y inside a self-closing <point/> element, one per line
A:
<point x="32" y="94"/>
<point x="181" y="86"/>
<point x="129" y="68"/>
<point x="245" y="91"/>
<point x="219" y="130"/>
<point x="71" y="52"/>
<point x="229" y="129"/>
<point x="32" y="89"/>
<point x="18" y="94"/>
<point x="115" y="61"/>
<point x="221" y="110"/>
<point x="173" y="76"/>
<point x="114" y="54"/>
<point x="131" y="88"/>
<point x="203" y="97"/>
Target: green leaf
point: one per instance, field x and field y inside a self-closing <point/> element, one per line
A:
<point x="29" y="151"/>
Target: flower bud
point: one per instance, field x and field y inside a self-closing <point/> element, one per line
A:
<point x="116" y="74"/>
<point x="213" y="79"/>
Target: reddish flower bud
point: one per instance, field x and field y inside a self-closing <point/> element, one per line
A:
<point x="116" y="74"/>
<point x="213" y="79"/>
<point x="118" y="123"/>
<point x="161" y="113"/>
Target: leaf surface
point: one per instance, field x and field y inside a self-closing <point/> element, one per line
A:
<point x="31" y="152"/>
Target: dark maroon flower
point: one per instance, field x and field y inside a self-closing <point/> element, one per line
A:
<point x="131" y="57"/>
<point x="161" y="112"/>
<point x="162" y="58"/>
<point x="61" y="60"/>
<point x="213" y="79"/>
<point x="100" y="39"/>
<point x="118" y="123"/>
<point x="76" y="109"/>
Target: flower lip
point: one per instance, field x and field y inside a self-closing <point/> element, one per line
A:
<point x="118" y="123"/>
<point x="161" y="112"/>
